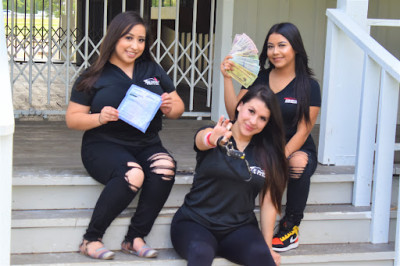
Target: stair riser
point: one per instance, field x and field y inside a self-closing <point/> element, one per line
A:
<point x="67" y="238"/>
<point x="85" y="196"/>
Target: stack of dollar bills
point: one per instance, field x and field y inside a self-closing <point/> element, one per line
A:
<point x="245" y="59"/>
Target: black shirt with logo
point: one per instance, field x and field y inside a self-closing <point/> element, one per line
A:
<point x="288" y="103"/>
<point x="223" y="193"/>
<point x="110" y="89"/>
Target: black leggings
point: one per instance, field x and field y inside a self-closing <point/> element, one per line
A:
<point x="298" y="190"/>
<point x="199" y="245"/>
<point x="107" y="163"/>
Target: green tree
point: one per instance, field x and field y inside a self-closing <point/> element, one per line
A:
<point x="39" y="5"/>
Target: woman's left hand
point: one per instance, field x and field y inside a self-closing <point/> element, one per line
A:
<point x="166" y="105"/>
<point x="276" y="256"/>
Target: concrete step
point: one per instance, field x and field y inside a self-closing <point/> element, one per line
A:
<point x="74" y="189"/>
<point x="43" y="231"/>
<point x="324" y="254"/>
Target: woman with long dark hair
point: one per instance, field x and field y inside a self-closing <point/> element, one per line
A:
<point x="299" y="96"/>
<point x="233" y="167"/>
<point x="116" y="154"/>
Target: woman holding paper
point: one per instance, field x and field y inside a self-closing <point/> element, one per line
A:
<point x="234" y="167"/>
<point x="114" y="153"/>
<point x="290" y="78"/>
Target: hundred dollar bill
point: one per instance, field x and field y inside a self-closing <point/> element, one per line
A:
<point x="242" y="75"/>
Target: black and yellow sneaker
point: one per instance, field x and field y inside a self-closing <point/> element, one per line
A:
<point x="287" y="238"/>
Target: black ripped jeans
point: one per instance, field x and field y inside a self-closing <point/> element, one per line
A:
<point x="107" y="163"/>
<point x="298" y="190"/>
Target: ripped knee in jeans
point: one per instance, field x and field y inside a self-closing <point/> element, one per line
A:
<point x="135" y="176"/>
<point x="163" y="165"/>
<point x="297" y="163"/>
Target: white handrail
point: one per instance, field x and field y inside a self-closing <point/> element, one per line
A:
<point x="365" y="42"/>
<point x="379" y="107"/>
<point x="6" y="138"/>
<point x="383" y="22"/>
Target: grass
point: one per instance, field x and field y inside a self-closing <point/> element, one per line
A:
<point x="21" y="23"/>
<point x="38" y="22"/>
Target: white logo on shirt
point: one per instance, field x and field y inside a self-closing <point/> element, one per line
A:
<point x="257" y="171"/>
<point x="290" y="100"/>
<point x="151" y="81"/>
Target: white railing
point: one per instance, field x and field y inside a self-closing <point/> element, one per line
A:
<point x="378" y="108"/>
<point x="6" y="143"/>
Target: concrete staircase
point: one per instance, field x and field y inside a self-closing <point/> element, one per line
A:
<point x="53" y="197"/>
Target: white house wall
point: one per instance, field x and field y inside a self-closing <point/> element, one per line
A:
<point x="388" y="37"/>
<point x="255" y="17"/>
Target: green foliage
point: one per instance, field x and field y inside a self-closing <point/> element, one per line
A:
<point x="38" y="5"/>
<point x="154" y="3"/>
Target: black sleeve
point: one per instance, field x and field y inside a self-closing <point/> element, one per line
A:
<point x="315" y="93"/>
<point x="80" y="97"/>
<point x="165" y="81"/>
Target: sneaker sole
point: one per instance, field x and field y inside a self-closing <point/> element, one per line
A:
<point x="292" y="246"/>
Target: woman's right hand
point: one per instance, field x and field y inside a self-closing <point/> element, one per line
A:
<point x="108" y="114"/>
<point x="221" y="129"/>
<point x="227" y="64"/>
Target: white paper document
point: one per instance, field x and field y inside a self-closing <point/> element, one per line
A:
<point x="139" y="107"/>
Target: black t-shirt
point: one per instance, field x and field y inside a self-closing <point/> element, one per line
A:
<point x="110" y="89"/>
<point x="220" y="197"/>
<point x="288" y="103"/>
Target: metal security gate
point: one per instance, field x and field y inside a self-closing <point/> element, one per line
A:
<point x="50" y="42"/>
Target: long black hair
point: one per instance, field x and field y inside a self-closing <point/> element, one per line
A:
<point x="303" y="71"/>
<point x="270" y="145"/>
<point x="119" y="27"/>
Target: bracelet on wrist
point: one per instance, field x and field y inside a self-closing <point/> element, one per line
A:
<point x="100" y="120"/>
<point x="207" y="140"/>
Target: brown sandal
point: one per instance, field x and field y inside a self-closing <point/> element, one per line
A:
<point x="100" y="253"/>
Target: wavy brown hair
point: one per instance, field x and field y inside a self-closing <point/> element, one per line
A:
<point x="270" y="145"/>
<point x="119" y="27"/>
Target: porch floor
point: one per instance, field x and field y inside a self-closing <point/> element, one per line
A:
<point x="48" y="147"/>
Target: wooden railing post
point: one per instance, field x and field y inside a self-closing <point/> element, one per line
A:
<point x="366" y="133"/>
<point x="384" y="156"/>
<point x="223" y="40"/>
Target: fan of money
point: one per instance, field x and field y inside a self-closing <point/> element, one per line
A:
<point x="245" y="60"/>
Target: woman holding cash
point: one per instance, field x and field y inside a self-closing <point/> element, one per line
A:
<point x="115" y="153"/>
<point x="235" y="164"/>
<point x="290" y="78"/>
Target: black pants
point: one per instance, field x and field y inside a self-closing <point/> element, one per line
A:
<point x="298" y="190"/>
<point x="107" y="163"/>
<point x="199" y="245"/>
